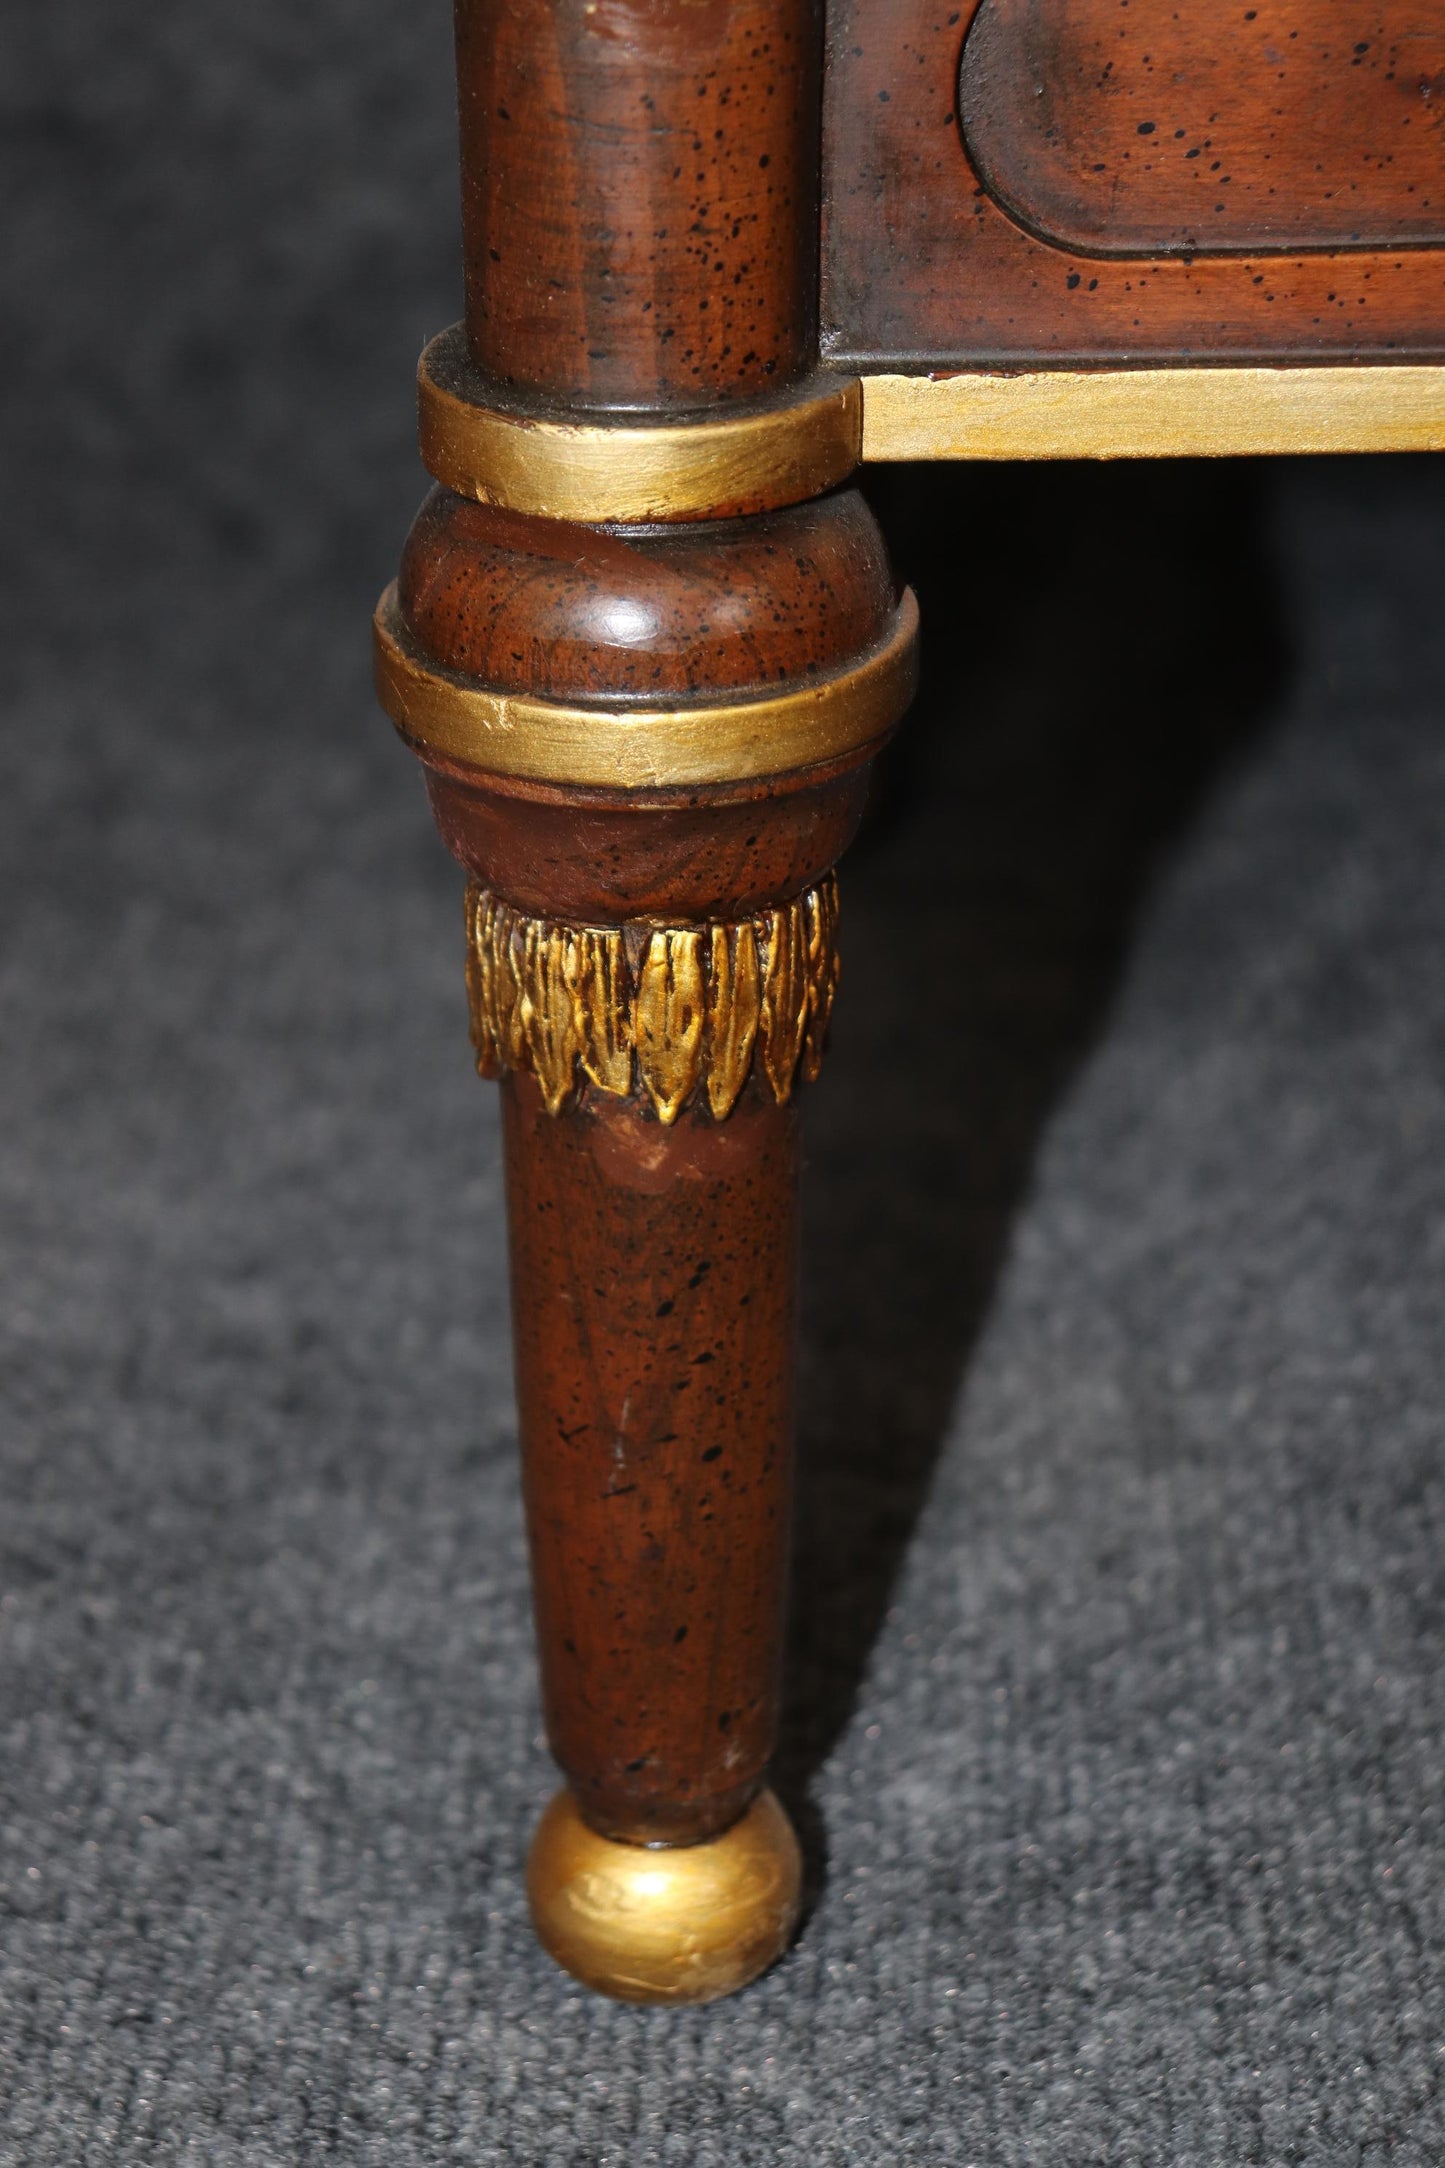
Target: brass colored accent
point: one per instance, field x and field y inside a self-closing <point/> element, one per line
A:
<point x="549" y="1017"/>
<point x="784" y="1020"/>
<point x="820" y="915"/>
<point x="451" y="717"/>
<point x="699" y="1003"/>
<point x="667" y="1019"/>
<point x="1155" y="413"/>
<point x="736" y="1006"/>
<point x="596" y="974"/>
<point x="668" y="1924"/>
<point x="626" y="466"/>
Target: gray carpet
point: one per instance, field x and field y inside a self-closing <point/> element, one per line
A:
<point x="1116" y="1690"/>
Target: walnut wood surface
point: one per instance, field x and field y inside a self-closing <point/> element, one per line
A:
<point x="1138" y="131"/>
<point x="639" y="190"/>
<point x="640" y="227"/>
<point x="591" y="860"/>
<point x="653" y="1298"/>
<point x="572" y="612"/>
<point x="922" y="268"/>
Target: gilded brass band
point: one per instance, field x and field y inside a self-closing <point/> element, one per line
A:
<point x="623" y="467"/>
<point x="1212" y="412"/>
<point x="643" y="748"/>
<point x="670" y="1011"/>
<point x="626" y="467"/>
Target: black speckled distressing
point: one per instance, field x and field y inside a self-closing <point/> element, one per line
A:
<point x="1116" y="1692"/>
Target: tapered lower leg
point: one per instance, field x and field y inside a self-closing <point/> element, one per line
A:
<point x="654" y="1268"/>
<point x="653" y="1276"/>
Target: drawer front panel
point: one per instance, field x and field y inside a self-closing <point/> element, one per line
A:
<point x="1149" y="130"/>
<point x="1004" y="184"/>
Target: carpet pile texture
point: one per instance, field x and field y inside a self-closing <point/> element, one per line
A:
<point x="1117" y="1688"/>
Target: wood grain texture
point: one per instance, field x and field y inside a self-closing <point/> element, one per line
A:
<point x="923" y="269"/>
<point x="1295" y="124"/>
<point x="621" y="744"/>
<point x="663" y="660"/>
<point x="639" y="196"/>
<point x="654" y="1275"/>
<point x="691" y="856"/>
<point x="570" y="612"/>
<point x="590" y="857"/>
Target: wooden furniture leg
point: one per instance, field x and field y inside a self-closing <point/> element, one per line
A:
<point x="646" y="645"/>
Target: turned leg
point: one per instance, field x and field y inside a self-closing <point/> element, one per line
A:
<point x="646" y="658"/>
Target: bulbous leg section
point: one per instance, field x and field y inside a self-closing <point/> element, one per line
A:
<point x="665" y="1924"/>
